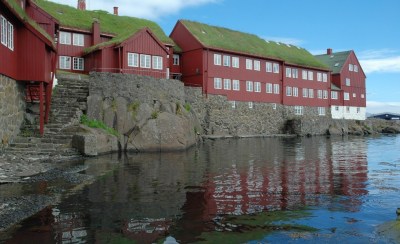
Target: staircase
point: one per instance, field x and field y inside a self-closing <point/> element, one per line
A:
<point x="67" y="105"/>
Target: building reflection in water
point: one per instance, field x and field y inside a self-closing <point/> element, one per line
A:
<point x="150" y="196"/>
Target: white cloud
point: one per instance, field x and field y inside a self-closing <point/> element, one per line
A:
<point x="148" y="9"/>
<point x="380" y="61"/>
<point x="375" y="107"/>
<point x="286" y="40"/>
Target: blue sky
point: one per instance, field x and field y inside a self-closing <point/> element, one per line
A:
<point x="369" y="27"/>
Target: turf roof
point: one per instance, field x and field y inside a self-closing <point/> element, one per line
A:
<point x="121" y="26"/>
<point x="335" y="61"/>
<point x="223" y="38"/>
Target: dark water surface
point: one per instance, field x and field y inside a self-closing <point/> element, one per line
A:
<point x="279" y="190"/>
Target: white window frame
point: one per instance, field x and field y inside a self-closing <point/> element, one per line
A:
<point x="355" y="68"/>
<point x="65" y="62"/>
<point x="227" y="84"/>
<point x="275" y="68"/>
<point x="362" y="96"/>
<point x="217" y="59"/>
<point x="295" y="91"/>
<point x="288" y="91"/>
<point x="78" y="63"/>
<point x="65" y="38"/>
<point x="145" y="61"/>
<point x="249" y="64"/>
<point x="236" y="85"/>
<point x="235" y="62"/>
<point x="325" y="94"/>
<point x="354" y="95"/>
<point x="249" y="86"/>
<point x="276" y="89"/>
<point x="346" y="96"/>
<point x="298" y="110"/>
<point x="157" y="62"/>
<point x="78" y="39"/>
<point x="268" y="67"/>
<point x="311" y="93"/>
<point x="268" y="88"/>
<point x="348" y="82"/>
<point x="176" y="59"/>
<point x="10" y="36"/>
<point x="257" y="65"/>
<point x="319" y="76"/>
<point x="334" y="95"/>
<point x="133" y="59"/>
<point x="233" y="104"/>
<point x="324" y="77"/>
<point x="351" y="67"/>
<point x="226" y="61"/>
<point x="288" y="72"/>
<point x="305" y="92"/>
<point x="295" y="73"/>
<point x="319" y="94"/>
<point x="257" y="86"/>
<point x="274" y="106"/>
<point x="250" y="104"/>
<point x="3" y="23"/>
<point x="217" y="83"/>
<point x="310" y="75"/>
<point x="304" y="74"/>
<point x="358" y="110"/>
<point x="321" y="111"/>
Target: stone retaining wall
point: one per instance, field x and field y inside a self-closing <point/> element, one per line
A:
<point x="12" y="109"/>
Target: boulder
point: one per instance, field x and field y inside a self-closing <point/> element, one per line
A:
<point x="333" y="130"/>
<point x="95" y="109"/>
<point x="391" y="130"/>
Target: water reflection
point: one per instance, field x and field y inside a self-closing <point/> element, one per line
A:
<point x="151" y="196"/>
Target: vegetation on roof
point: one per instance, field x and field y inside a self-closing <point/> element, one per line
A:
<point x="121" y="26"/>
<point x="335" y="61"/>
<point x="223" y="38"/>
<point x="26" y="19"/>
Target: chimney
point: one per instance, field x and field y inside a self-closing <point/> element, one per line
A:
<point x="329" y="51"/>
<point x="96" y="32"/>
<point x="81" y="4"/>
<point x="115" y="10"/>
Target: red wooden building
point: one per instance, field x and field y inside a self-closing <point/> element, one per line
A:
<point x="348" y="96"/>
<point x="104" y="42"/>
<point x="244" y="67"/>
<point x="28" y="51"/>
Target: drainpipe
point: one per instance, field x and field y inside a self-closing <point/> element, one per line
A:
<point x="205" y="75"/>
<point x="283" y="82"/>
<point x="119" y="60"/>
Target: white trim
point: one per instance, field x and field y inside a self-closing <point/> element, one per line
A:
<point x="78" y="63"/>
<point x="65" y="38"/>
<point x="65" y="62"/>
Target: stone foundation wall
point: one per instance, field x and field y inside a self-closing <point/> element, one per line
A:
<point x="12" y="109"/>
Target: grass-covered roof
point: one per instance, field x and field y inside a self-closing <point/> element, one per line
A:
<point x="335" y="61"/>
<point x="121" y="26"/>
<point x="27" y="20"/>
<point x="223" y="38"/>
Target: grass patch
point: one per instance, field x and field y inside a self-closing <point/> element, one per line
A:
<point x="154" y="114"/>
<point x="133" y="108"/>
<point x="188" y="107"/>
<point x="92" y="123"/>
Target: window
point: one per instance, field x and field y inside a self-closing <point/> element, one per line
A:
<point x="268" y="88"/>
<point x="334" y="95"/>
<point x="217" y="59"/>
<point x="78" y="39"/>
<point x="235" y="62"/>
<point x="354" y="95"/>
<point x="250" y="104"/>
<point x="10" y="36"/>
<point x="257" y="65"/>
<point x="295" y="91"/>
<point x="310" y="93"/>
<point x="145" y="61"/>
<point x="325" y="94"/>
<point x="347" y="81"/>
<point x="348" y="109"/>
<point x="362" y="96"/>
<point x="65" y="62"/>
<point x="274" y="106"/>
<point x="65" y="38"/>
<point x="304" y="74"/>
<point x="305" y="92"/>
<point x="319" y="76"/>
<point x="217" y="83"/>
<point x="351" y="67"/>
<point x="236" y="85"/>
<point x="346" y="96"/>
<point x="319" y="94"/>
<point x="233" y="104"/>
<point x="355" y="68"/>
<point x="275" y="68"/>
<point x="78" y="63"/>
<point x="157" y="62"/>
<point x="337" y="108"/>
<point x="324" y="77"/>
<point x="227" y="61"/>
<point x="227" y="84"/>
<point x="310" y="75"/>
<point x="176" y="59"/>
<point x="249" y="86"/>
<point x="257" y="86"/>
<point x="3" y="23"/>
<point x="298" y="110"/>
<point x="295" y="73"/>
<point x="289" y="91"/>
<point x="288" y="72"/>
<point x="276" y="89"/>
<point x="358" y="110"/>
<point x="249" y="64"/>
<point x="321" y="111"/>
<point x="268" y="67"/>
<point x="133" y="60"/>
